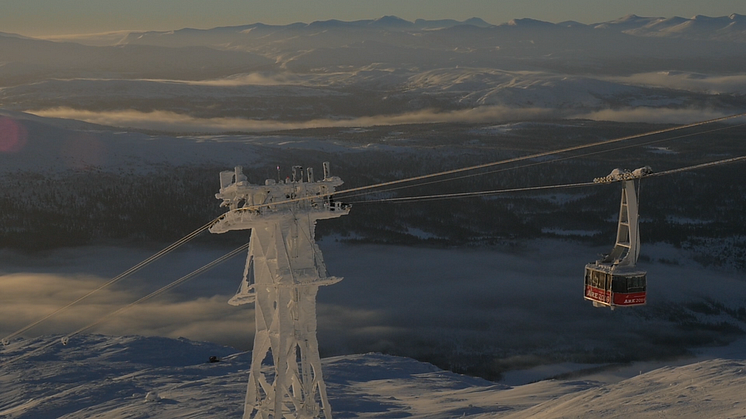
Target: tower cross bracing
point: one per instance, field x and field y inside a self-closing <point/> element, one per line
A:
<point x="284" y="270"/>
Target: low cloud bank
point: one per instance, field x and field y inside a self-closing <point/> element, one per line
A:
<point x="28" y="297"/>
<point x="168" y="121"/>
<point x="174" y="122"/>
<point x="35" y="286"/>
<point x="699" y="83"/>
<point x="654" y="115"/>
<point x="253" y="79"/>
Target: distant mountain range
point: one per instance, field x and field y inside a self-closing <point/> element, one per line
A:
<point x="334" y="45"/>
<point x="336" y="70"/>
<point x="725" y="28"/>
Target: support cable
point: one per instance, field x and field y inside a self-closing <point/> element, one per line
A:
<point x="698" y="166"/>
<point x="544" y="187"/>
<point x="476" y="194"/>
<point x="575" y="156"/>
<point x="153" y="294"/>
<point x="501" y="162"/>
<point x="542" y="154"/>
<point x="116" y="279"/>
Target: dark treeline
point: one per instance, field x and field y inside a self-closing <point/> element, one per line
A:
<point x="703" y="209"/>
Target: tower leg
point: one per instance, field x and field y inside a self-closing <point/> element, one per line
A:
<point x="285" y="311"/>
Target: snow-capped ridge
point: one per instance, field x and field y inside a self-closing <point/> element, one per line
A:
<point x="700" y="27"/>
<point x="475" y="21"/>
<point x="624" y="23"/>
<point x="251" y="37"/>
<point x="394" y="22"/>
<point x="435" y="24"/>
<point x="391" y="21"/>
<point x="336" y="23"/>
<point x="571" y="24"/>
<point x="529" y="23"/>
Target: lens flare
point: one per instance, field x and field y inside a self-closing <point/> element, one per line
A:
<point x="12" y="135"/>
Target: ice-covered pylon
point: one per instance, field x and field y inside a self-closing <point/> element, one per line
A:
<point x="284" y="270"/>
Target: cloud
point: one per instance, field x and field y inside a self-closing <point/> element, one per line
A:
<point x="27" y="297"/>
<point x="700" y="83"/>
<point x="201" y="318"/>
<point x="252" y="79"/>
<point x="654" y="115"/>
<point x="168" y="121"/>
<point x="92" y="39"/>
<point x="175" y="122"/>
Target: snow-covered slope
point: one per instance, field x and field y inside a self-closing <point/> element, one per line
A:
<point x="708" y="389"/>
<point x="730" y="28"/>
<point x="115" y="377"/>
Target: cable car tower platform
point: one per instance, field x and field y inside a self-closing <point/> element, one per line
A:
<point x="284" y="270"/>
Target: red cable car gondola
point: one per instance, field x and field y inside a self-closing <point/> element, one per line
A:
<point x="614" y="281"/>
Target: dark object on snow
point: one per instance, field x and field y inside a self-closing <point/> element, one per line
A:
<point x="214" y="359"/>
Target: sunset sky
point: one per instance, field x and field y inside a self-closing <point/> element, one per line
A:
<point x="57" y="17"/>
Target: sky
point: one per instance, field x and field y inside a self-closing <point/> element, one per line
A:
<point x="62" y="17"/>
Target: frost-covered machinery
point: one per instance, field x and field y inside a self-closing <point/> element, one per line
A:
<point x="284" y="270"/>
<point x="614" y="281"/>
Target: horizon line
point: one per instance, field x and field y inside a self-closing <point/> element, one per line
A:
<point x="370" y="20"/>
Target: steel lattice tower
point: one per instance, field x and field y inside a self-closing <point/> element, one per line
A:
<point x="284" y="270"/>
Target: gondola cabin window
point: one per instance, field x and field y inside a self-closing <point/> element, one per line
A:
<point x="629" y="284"/>
<point x="598" y="280"/>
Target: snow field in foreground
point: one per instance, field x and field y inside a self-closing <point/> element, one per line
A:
<point x="113" y="377"/>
